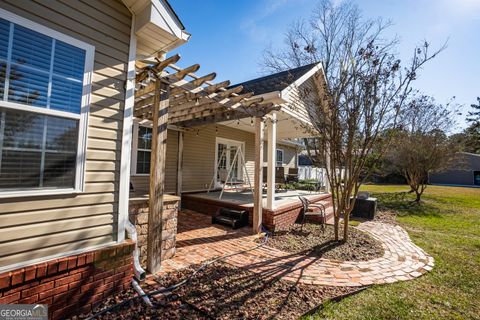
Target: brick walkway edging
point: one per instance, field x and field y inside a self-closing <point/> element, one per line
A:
<point x="402" y="261"/>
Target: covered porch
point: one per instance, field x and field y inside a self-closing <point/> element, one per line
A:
<point x="282" y="216"/>
<point x="166" y="99"/>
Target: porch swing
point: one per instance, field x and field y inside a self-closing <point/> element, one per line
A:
<point x="226" y="176"/>
<point x="227" y="216"/>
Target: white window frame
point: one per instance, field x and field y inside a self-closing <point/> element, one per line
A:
<point x="283" y="157"/>
<point x="79" y="185"/>
<point x="136" y="126"/>
<point x="240" y="166"/>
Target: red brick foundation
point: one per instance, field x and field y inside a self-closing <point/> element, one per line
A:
<point x="71" y="285"/>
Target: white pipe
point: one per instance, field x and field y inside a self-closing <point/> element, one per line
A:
<point x="137" y="268"/>
<point x="140" y="292"/>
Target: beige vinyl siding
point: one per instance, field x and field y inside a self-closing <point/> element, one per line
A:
<point x="141" y="182"/>
<point x="199" y="154"/>
<point x="41" y="226"/>
<point x="302" y="101"/>
<point x="289" y="155"/>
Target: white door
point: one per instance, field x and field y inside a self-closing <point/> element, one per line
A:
<point x="225" y="159"/>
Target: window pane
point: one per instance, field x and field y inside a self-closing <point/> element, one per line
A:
<point x="26" y="144"/>
<point x="66" y="95"/>
<point x="28" y="86"/>
<point x="69" y="61"/>
<point x="23" y="130"/>
<point x="4" y="35"/>
<point x="143" y="162"/>
<point x="59" y="170"/>
<point x="62" y="134"/>
<point x="20" y="169"/>
<point x="144" y="138"/>
<point x="31" y="48"/>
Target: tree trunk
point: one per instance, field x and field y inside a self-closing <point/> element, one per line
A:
<point x="418" y="196"/>
<point x="336" y="226"/>
<point x="346" y="220"/>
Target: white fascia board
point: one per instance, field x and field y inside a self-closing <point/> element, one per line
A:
<point x="273" y="97"/>
<point x="316" y="68"/>
<point x="155" y="17"/>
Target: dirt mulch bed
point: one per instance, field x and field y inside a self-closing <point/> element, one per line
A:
<point x="221" y="291"/>
<point x="386" y="216"/>
<point x="312" y="241"/>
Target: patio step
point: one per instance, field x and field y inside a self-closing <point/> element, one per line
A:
<point x="231" y="218"/>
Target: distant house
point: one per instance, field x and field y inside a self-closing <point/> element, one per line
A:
<point x="464" y="171"/>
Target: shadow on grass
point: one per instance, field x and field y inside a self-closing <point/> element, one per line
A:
<point x="402" y="203"/>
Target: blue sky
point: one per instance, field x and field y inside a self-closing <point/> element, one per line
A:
<point x="228" y="37"/>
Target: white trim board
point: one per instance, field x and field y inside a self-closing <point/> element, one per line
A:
<point x="127" y="136"/>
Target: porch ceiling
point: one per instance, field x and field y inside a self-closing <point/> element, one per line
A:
<point x="288" y="126"/>
<point x="193" y="100"/>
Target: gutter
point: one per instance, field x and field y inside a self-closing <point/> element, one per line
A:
<point x="275" y="97"/>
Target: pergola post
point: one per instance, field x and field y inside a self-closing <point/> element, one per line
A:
<point x="179" y="164"/>
<point x="258" y="176"/>
<point x="272" y="160"/>
<point x="157" y="175"/>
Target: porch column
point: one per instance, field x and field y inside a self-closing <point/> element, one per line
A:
<point x="157" y="175"/>
<point x="272" y="160"/>
<point x="258" y="176"/>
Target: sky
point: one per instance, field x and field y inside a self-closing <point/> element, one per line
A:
<point x="229" y="37"/>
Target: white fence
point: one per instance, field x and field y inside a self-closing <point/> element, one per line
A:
<point x="318" y="174"/>
<point x="309" y="172"/>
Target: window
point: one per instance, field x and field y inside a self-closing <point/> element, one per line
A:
<point x="279" y="157"/>
<point x="44" y="85"/>
<point x="144" y="149"/>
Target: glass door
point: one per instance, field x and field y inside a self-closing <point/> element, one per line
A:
<point x="227" y="158"/>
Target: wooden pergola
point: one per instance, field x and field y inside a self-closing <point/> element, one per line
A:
<point x="169" y="95"/>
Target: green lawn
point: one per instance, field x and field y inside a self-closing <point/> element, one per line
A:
<point x="447" y="226"/>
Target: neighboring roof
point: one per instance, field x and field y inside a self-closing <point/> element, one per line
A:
<point x="304" y="160"/>
<point x="275" y="82"/>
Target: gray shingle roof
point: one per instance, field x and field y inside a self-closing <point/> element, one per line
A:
<point x="274" y="82"/>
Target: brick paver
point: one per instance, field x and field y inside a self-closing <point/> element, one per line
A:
<point x="198" y="241"/>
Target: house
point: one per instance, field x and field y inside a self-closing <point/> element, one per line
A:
<point x="99" y="127"/>
<point x="67" y="79"/>
<point x="464" y="171"/>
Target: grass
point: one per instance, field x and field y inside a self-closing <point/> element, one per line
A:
<point x="447" y="226"/>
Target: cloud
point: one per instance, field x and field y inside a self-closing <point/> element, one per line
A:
<point x="253" y="24"/>
<point x="462" y="8"/>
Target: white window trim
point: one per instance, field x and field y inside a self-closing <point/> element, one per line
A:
<point x="283" y="157"/>
<point x="136" y="126"/>
<point x="79" y="185"/>
<point x="226" y="141"/>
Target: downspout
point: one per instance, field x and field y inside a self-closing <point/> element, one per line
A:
<point x="124" y="193"/>
<point x="138" y="271"/>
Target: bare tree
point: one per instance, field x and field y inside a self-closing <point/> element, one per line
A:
<point x="421" y="144"/>
<point x="361" y="95"/>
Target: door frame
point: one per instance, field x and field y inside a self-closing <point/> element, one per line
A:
<point x="226" y="141"/>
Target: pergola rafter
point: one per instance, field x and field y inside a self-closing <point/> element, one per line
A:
<point x="193" y="99"/>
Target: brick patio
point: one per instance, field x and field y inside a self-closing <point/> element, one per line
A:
<point x="198" y="241"/>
